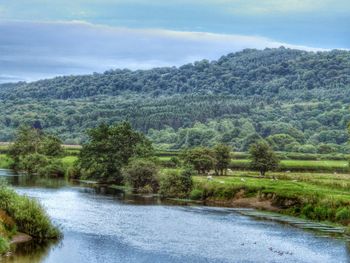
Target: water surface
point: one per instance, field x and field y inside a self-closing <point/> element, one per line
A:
<point x="101" y="227"/>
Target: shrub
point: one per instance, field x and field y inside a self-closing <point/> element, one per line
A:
<point x="54" y="168"/>
<point x="4" y="245"/>
<point x="196" y="194"/>
<point x="31" y="163"/>
<point x="173" y="162"/>
<point x="177" y="184"/>
<point x="343" y="214"/>
<point x="142" y="175"/>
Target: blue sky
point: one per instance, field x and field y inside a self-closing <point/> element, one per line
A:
<point x="42" y="38"/>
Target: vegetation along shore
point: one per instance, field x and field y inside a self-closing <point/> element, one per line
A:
<point x="309" y="186"/>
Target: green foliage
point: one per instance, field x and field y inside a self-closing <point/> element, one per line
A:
<point x="201" y="158"/>
<point x="196" y="194"/>
<point x="29" y="215"/>
<point x="35" y="152"/>
<point x="5" y="162"/>
<point x="234" y="100"/>
<point x="175" y="184"/>
<point x="4" y="245"/>
<point x="343" y="214"/>
<point x="109" y="148"/>
<point x="31" y="163"/>
<point x="222" y="157"/>
<point x="321" y="197"/>
<point x="142" y="175"/>
<point x="173" y="162"/>
<point x="51" y="146"/>
<point x="263" y="157"/>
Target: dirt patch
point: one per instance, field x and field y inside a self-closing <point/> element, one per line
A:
<point x="20" y="238"/>
<point x="254" y="202"/>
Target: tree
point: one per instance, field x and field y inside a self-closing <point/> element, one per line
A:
<point x="223" y="158"/>
<point x="34" y="151"/>
<point x="51" y="146"/>
<point x="201" y="158"/>
<point x="109" y="148"/>
<point x="263" y="157"/>
<point x="175" y="184"/>
<point x="142" y="175"/>
<point x="27" y="141"/>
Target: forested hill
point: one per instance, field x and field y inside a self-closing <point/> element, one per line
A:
<point x="296" y="99"/>
<point x="251" y="72"/>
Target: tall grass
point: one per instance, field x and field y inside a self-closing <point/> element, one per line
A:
<point x="28" y="214"/>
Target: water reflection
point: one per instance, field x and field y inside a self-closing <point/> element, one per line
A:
<point x="104" y="225"/>
<point x="30" y="252"/>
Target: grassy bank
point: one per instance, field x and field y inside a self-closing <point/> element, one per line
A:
<point x="303" y="191"/>
<point x="316" y="196"/>
<point x="25" y="215"/>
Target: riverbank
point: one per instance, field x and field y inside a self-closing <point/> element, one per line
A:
<point x="22" y="219"/>
<point x="315" y="196"/>
<point x="318" y="197"/>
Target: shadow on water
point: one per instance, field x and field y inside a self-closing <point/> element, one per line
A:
<point x="29" y="252"/>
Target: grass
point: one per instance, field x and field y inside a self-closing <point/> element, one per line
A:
<point x="317" y="196"/>
<point x="27" y="214"/>
<point x="5" y="162"/>
<point x="69" y="160"/>
<point x="301" y="165"/>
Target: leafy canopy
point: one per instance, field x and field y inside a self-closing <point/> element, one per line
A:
<point x="263" y="158"/>
<point x="109" y="148"/>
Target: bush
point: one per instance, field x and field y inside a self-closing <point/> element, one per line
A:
<point x="177" y="185"/>
<point x="54" y="168"/>
<point x="31" y="163"/>
<point x="142" y="175"/>
<point x="343" y="214"/>
<point x="173" y="162"/>
<point x="196" y="194"/>
<point x="29" y="215"/>
<point x="4" y="245"/>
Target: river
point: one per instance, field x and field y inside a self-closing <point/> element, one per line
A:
<point x="102" y="226"/>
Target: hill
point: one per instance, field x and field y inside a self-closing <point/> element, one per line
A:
<point x="298" y="100"/>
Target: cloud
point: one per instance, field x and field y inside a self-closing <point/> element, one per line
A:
<point x="33" y="50"/>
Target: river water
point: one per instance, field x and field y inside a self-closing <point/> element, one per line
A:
<point x="99" y="226"/>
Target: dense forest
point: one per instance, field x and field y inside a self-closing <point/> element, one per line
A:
<point x="297" y="100"/>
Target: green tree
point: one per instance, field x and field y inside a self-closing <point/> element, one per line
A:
<point x="175" y="184"/>
<point x="51" y="146"/>
<point x="223" y="158"/>
<point x="201" y="158"/>
<point x="142" y="175"/>
<point x="109" y="148"/>
<point x="34" y="151"/>
<point x="263" y="158"/>
<point x="27" y="141"/>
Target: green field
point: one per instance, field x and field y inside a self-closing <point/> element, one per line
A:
<point x="291" y="185"/>
<point x="316" y="196"/>
<point x="303" y="163"/>
<point x="291" y="165"/>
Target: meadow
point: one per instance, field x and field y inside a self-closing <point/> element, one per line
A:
<point x="316" y="196"/>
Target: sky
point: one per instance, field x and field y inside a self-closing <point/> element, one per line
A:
<point x="46" y="38"/>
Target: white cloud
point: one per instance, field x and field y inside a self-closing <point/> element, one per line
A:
<point x="259" y="7"/>
<point x="32" y="50"/>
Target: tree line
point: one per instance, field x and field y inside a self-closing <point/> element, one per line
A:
<point x="296" y="100"/>
<point x="118" y="154"/>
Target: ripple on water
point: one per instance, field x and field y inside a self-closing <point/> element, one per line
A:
<point x="98" y="223"/>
